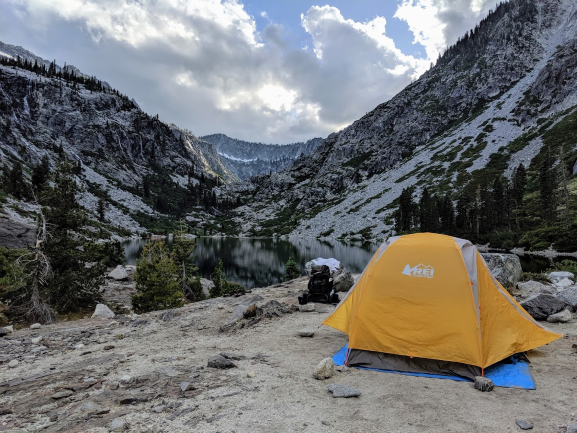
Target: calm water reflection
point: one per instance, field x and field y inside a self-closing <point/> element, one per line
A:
<point x="260" y="262"/>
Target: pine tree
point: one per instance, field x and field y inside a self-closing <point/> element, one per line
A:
<point x="564" y="196"/>
<point x="101" y="210"/>
<point x="291" y="270"/>
<point x="447" y="215"/>
<point x="156" y="280"/>
<point x="73" y="284"/>
<point x="425" y="211"/>
<point x="182" y="249"/>
<point x="17" y="187"/>
<point x="219" y="280"/>
<point x="547" y="188"/>
<point x="40" y="174"/>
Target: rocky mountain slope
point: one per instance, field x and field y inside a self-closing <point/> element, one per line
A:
<point x="140" y="165"/>
<point x="492" y="97"/>
<point x="246" y="159"/>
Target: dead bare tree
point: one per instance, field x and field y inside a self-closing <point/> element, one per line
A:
<point x="32" y="272"/>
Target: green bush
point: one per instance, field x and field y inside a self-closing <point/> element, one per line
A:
<point x="533" y="276"/>
<point x="291" y="270"/>
<point x="156" y="280"/>
<point x="565" y="265"/>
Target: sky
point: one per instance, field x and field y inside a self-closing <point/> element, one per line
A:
<point x="277" y="71"/>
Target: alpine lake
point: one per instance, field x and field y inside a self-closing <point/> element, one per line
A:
<point x="259" y="262"/>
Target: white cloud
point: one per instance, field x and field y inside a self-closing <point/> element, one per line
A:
<point x="436" y="24"/>
<point x="203" y="65"/>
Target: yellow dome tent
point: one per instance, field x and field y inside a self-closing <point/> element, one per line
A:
<point x="428" y="302"/>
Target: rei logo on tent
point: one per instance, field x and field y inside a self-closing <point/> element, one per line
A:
<point x="420" y="271"/>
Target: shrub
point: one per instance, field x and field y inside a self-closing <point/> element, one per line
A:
<point x="533" y="276"/>
<point x="291" y="270"/>
<point x="565" y="265"/>
<point x="219" y="280"/>
<point x="156" y="280"/>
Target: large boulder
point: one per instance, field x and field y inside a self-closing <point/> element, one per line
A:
<point x="118" y="273"/>
<point x="542" y="306"/>
<point x="569" y="297"/>
<point x="102" y="312"/>
<point x="342" y="278"/>
<point x="506" y="268"/>
<point x="531" y="288"/>
<point x="563" y="283"/>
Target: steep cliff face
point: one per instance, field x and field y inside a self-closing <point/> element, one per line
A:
<point x="246" y="159"/>
<point x="116" y="145"/>
<point x="516" y="68"/>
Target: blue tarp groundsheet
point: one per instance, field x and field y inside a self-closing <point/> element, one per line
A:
<point x="512" y="372"/>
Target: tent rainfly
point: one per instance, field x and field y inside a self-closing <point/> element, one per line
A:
<point x="427" y="303"/>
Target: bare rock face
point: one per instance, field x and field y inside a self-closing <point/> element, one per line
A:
<point x="14" y="234"/>
<point x="542" y="306"/>
<point x="506" y="268"/>
<point x="325" y="369"/>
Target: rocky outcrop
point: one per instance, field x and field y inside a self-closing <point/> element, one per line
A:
<point x="14" y="234"/>
<point x="569" y="297"/>
<point x="246" y="159"/>
<point x="506" y="268"/>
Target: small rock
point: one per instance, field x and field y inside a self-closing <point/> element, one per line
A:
<point x="572" y="428"/>
<point x="102" y="312"/>
<point x="119" y="273"/>
<point x="125" y="379"/>
<point x="523" y="425"/>
<point x="36" y="340"/>
<point x="79" y="346"/>
<point x="483" y="384"/>
<point x="325" y="369"/>
<point x="220" y="306"/>
<point x="158" y="409"/>
<point x="9" y="329"/>
<point x="62" y="394"/>
<point x="341" y="368"/>
<point x="251" y="374"/>
<point x="113" y="385"/>
<point x="219" y="361"/>
<point x="118" y="425"/>
<point x="233" y="356"/>
<point x="561" y="317"/>
<point x="184" y="386"/>
<point x="35" y="326"/>
<point x="338" y="391"/>
<point x="109" y="347"/>
<point x="13" y="364"/>
<point x="307" y="308"/>
<point x="561" y="274"/>
<point x="309" y="331"/>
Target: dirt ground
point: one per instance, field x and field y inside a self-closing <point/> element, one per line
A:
<point x="68" y="388"/>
